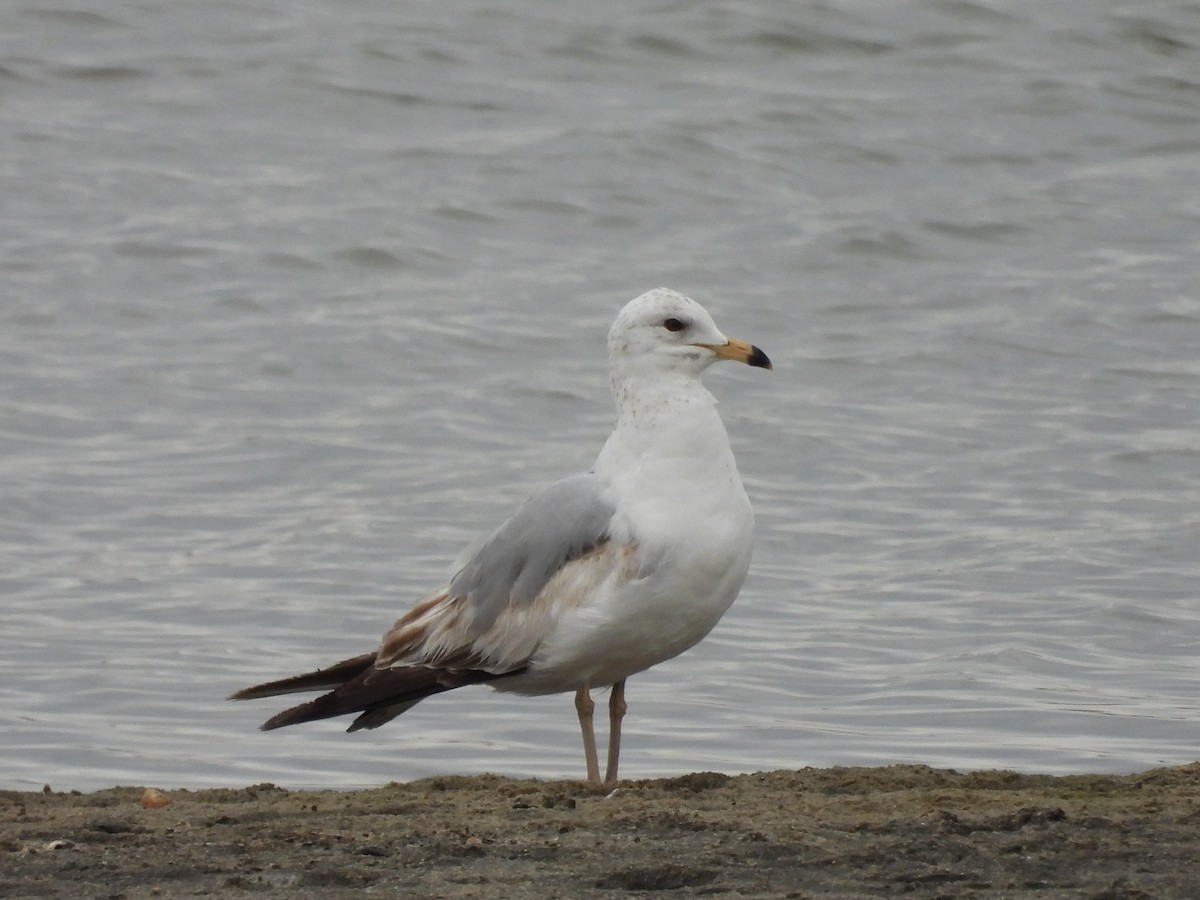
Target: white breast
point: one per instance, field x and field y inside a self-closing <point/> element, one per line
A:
<point x="683" y="507"/>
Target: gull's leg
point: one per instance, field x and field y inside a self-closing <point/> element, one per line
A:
<point x="616" y="712"/>
<point x="584" y="706"/>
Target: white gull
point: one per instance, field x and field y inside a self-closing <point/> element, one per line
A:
<point x="598" y="576"/>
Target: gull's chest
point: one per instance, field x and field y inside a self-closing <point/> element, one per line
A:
<point x="710" y="516"/>
<point x="676" y="486"/>
<point x="686" y="506"/>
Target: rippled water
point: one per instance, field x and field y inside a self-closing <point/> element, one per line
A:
<point x="297" y="298"/>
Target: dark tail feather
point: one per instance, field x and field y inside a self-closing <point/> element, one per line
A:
<point x="378" y="695"/>
<point x="335" y="675"/>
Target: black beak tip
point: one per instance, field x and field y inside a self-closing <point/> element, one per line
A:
<point x="759" y="359"/>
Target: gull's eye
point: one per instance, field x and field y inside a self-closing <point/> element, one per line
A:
<point x="674" y="324"/>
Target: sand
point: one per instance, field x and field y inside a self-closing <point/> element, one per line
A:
<point x="902" y="831"/>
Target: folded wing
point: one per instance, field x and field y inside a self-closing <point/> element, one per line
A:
<point x="550" y="557"/>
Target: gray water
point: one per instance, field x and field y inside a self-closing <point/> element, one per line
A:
<point x="299" y="297"/>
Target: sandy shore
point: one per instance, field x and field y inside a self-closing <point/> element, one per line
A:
<point x="899" y="831"/>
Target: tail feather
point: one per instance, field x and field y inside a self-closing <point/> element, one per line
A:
<point x="377" y="695"/>
<point x="334" y="675"/>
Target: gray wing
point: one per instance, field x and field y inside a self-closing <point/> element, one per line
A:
<point x="560" y="523"/>
<point x="448" y="639"/>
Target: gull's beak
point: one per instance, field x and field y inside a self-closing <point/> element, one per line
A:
<point x="740" y="351"/>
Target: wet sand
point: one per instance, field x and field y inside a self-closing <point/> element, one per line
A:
<point x="846" y="832"/>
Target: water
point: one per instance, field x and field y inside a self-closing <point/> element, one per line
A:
<point x="298" y="298"/>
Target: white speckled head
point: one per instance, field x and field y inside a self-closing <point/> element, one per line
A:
<point x="663" y="331"/>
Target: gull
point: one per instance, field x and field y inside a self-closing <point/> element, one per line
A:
<point x="597" y="576"/>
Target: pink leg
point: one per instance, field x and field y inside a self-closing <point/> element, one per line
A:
<point x="616" y="712"/>
<point x="585" y="706"/>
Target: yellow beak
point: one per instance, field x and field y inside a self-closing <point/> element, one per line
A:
<point x="740" y="351"/>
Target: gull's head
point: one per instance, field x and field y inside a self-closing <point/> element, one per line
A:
<point x="663" y="330"/>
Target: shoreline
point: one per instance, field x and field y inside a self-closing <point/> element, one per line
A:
<point x="837" y="832"/>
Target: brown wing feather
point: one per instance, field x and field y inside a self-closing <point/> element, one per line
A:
<point x="440" y="631"/>
<point x="435" y="648"/>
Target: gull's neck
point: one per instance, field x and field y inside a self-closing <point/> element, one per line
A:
<point x="670" y="442"/>
<point x="646" y="400"/>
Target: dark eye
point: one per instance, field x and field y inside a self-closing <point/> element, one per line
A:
<point x="673" y="324"/>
